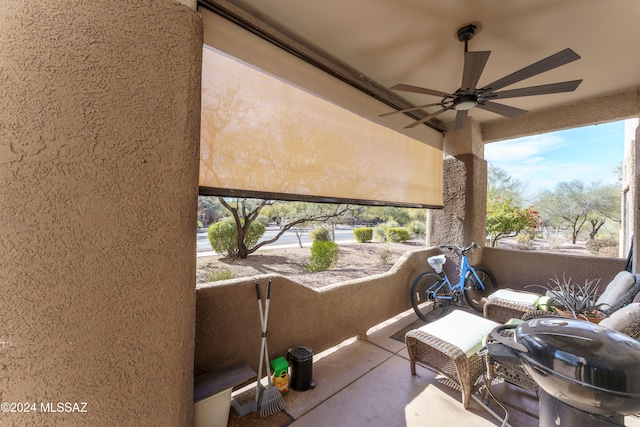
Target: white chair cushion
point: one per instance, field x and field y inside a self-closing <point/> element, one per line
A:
<point x="623" y="317"/>
<point x="525" y="299"/>
<point x="464" y="330"/>
<point x="619" y="286"/>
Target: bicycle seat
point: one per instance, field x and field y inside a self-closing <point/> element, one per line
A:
<point x="436" y="262"/>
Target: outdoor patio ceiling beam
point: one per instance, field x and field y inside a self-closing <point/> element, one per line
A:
<point x="342" y="72"/>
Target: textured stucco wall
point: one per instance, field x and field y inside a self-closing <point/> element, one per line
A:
<point x="98" y="182"/>
<point x="228" y="323"/>
<point x="462" y="219"/>
<point x="517" y="269"/>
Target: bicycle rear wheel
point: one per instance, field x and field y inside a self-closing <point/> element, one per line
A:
<point x="474" y="292"/>
<point x="426" y="293"/>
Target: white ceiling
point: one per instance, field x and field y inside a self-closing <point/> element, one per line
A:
<point x="414" y="42"/>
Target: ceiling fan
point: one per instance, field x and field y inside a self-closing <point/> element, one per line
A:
<point x="470" y="96"/>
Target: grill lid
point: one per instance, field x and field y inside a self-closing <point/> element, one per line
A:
<point x="587" y="366"/>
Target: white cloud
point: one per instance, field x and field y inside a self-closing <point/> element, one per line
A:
<point x="523" y="149"/>
<point x="588" y="154"/>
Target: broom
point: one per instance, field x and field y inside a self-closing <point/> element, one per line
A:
<point x="271" y="401"/>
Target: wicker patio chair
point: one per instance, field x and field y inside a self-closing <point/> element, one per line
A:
<point x="502" y="309"/>
<point x="515" y="373"/>
<point x="440" y="349"/>
<point x="633" y="330"/>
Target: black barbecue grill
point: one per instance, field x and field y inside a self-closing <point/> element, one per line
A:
<point x="589" y="375"/>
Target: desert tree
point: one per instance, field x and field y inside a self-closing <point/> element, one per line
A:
<point x="245" y="211"/>
<point x="567" y="204"/>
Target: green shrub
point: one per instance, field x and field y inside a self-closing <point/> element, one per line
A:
<point x="380" y="232"/>
<point x="215" y="276"/>
<point x="320" y="234"/>
<point x="418" y="229"/>
<point x="363" y="234"/>
<point x="199" y="225"/>
<point x="398" y="234"/>
<point x="604" y="247"/>
<point x="324" y="254"/>
<point x="223" y="236"/>
<point x="524" y="241"/>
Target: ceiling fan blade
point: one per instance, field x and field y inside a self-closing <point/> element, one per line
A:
<point x="474" y="63"/>
<point x="561" y="58"/>
<point x="503" y="110"/>
<point x="461" y="119"/>
<point x="538" y="90"/>
<point x="416" y="89"/>
<point x="406" y="110"/>
<point x="424" y="119"/>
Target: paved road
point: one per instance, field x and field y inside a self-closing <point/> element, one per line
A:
<point x="343" y="233"/>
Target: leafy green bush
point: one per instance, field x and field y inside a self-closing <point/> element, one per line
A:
<point x="199" y="225"/>
<point x="223" y="236"/>
<point x="418" y="229"/>
<point x="324" y="254"/>
<point x="604" y="247"/>
<point x="215" y="276"/>
<point x="320" y="234"/>
<point x="363" y="234"/>
<point x="398" y="234"/>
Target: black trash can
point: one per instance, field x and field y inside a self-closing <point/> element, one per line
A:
<point x="301" y="362"/>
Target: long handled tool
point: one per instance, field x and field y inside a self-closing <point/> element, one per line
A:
<point x="272" y="400"/>
<point x="262" y="347"/>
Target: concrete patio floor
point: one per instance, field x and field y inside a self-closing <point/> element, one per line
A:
<point x="368" y="382"/>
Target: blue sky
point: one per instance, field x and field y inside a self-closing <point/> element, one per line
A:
<point x="589" y="154"/>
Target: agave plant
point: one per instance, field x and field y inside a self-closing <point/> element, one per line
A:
<point x="579" y="300"/>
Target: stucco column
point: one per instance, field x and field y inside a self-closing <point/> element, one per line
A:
<point x="463" y="218"/>
<point x="99" y="134"/>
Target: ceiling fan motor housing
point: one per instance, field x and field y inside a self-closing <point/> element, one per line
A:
<point x="467" y="32"/>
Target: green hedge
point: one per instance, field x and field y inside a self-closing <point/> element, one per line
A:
<point x="324" y="255"/>
<point x="363" y="234"/>
<point x="398" y="234"/>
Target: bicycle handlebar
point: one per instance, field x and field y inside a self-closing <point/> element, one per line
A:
<point x="459" y="248"/>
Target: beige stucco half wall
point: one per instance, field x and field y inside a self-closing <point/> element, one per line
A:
<point x="228" y="323"/>
<point x="99" y="137"/>
<point x="227" y="316"/>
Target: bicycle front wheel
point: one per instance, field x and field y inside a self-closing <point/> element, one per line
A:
<point x="475" y="291"/>
<point x="426" y="296"/>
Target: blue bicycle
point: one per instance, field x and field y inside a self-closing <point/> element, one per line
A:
<point x="431" y="293"/>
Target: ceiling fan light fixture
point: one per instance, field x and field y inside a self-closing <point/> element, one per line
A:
<point x="465" y="102"/>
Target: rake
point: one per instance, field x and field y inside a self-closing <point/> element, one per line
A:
<point x="271" y="401"/>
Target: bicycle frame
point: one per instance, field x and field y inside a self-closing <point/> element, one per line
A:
<point x="432" y="292"/>
<point x="465" y="270"/>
